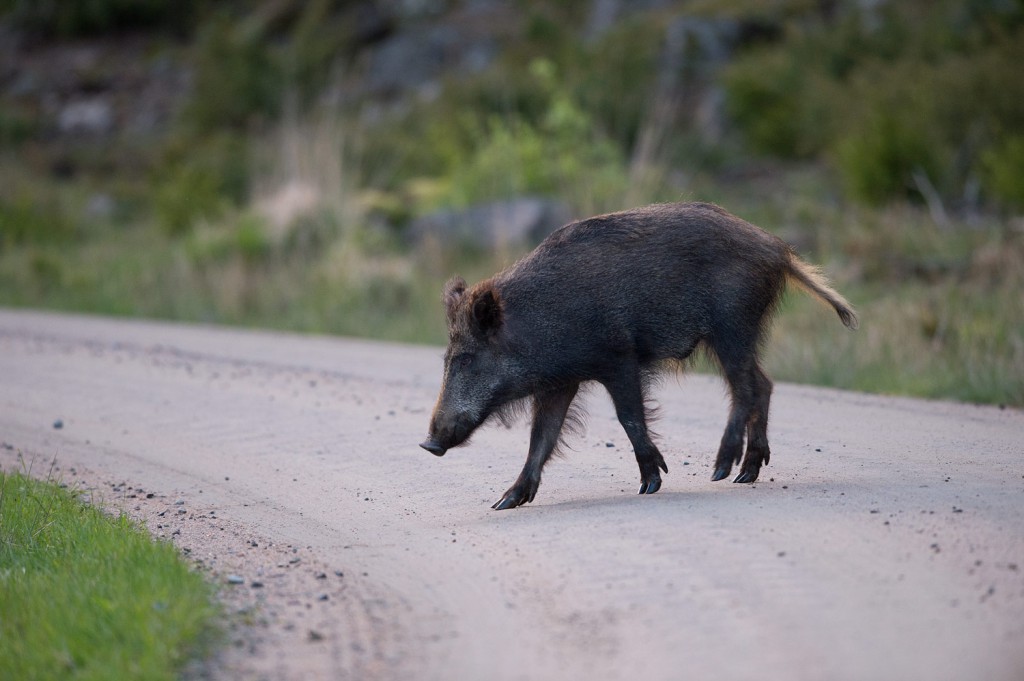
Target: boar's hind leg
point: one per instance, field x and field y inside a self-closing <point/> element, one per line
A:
<point x="757" y="429"/>
<point x="549" y="410"/>
<point x="627" y="394"/>
<point x="740" y="373"/>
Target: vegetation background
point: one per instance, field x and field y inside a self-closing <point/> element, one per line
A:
<point x="307" y="164"/>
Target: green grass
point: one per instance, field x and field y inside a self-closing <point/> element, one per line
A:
<point x="86" y="595"/>
<point x="927" y="341"/>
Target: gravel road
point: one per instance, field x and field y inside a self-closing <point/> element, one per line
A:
<point x="884" y="541"/>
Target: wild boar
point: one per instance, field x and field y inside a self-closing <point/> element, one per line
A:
<point x="616" y="299"/>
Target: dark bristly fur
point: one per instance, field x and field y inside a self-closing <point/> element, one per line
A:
<point x="617" y="299"/>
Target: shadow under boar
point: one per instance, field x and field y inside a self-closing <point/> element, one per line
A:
<point x="615" y="299"/>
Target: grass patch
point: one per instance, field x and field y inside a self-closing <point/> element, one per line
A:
<point x="86" y="595"/>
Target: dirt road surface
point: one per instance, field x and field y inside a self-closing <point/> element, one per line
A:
<point x="884" y="541"/>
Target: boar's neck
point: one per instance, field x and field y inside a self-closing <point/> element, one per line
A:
<point x="550" y="332"/>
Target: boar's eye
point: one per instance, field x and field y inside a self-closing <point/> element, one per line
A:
<point x="463" y="360"/>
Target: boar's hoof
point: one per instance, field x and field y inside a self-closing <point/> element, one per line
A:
<point x="721" y="473"/>
<point x="517" y="495"/>
<point x="506" y="503"/>
<point x="747" y="476"/>
<point x="650" y="486"/>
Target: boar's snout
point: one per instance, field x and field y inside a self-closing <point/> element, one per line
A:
<point x="447" y="431"/>
<point x="433" y="447"/>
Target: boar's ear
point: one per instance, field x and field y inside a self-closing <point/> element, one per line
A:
<point x="487" y="312"/>
<point x="451" y="296"/>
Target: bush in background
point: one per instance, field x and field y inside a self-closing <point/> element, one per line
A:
<point x="905" y="98"/>
<point x="1004" y="171"/>
<point x="561" y="153"/>
<point x="237" y="80"/>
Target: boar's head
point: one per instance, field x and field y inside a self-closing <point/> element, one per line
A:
<point x="480" y="376"/>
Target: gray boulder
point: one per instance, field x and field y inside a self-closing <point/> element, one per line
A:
<point x="93" y="116"/>
<point x="515" y="222"/>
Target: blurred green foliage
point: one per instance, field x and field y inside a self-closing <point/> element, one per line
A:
<point x="198" y="177"/>
<point x="1004" y="168"/>
<point x="24" y="221"/>
<point x="513" y="155"/>
<point x="923" y="87"/>
<point x="618" y="94"/>
<point x="16" y="127"/>
<point x="837" y="120"/>
<point x="890" y="95"/>
<point x="771" y="99"/>
<point x="236" y="77"/>
<point x="187" y="194"/>
<point x="249" y="57"/>
<point x="879" y="158"/>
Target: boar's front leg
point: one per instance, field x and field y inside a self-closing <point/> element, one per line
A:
<point x="549" y="410"/>
<point x="627" y="394"/>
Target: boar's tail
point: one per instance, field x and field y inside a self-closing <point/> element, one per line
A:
<point x="810" y="279"/>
